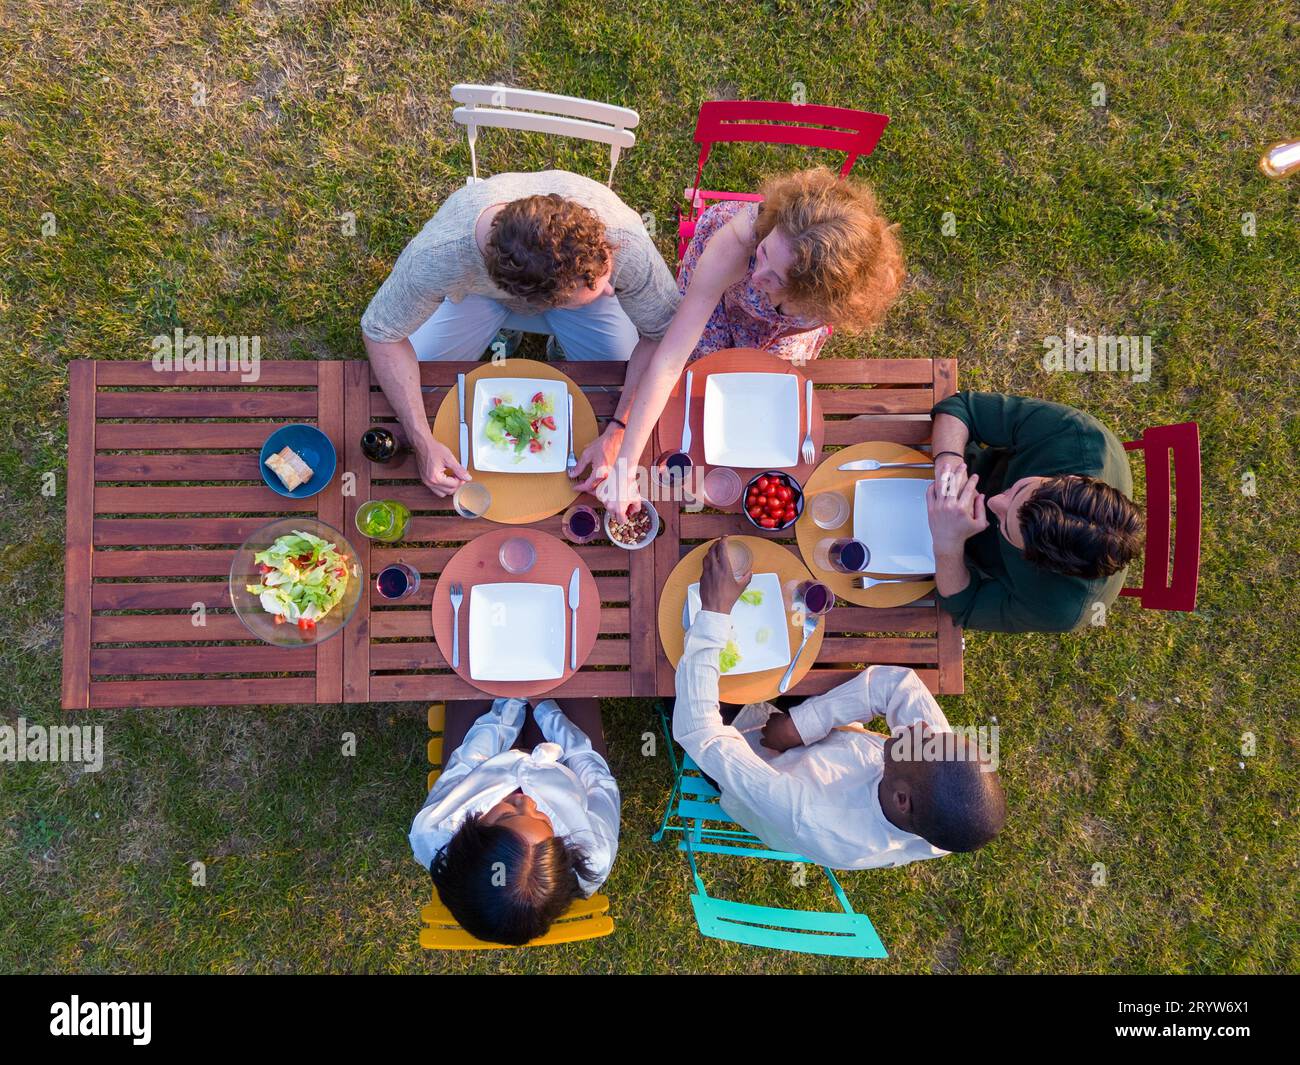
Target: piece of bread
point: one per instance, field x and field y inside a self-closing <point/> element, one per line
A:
<point x="290" y="468"/>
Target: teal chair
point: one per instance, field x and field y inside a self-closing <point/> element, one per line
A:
<point x="694" y="813"/>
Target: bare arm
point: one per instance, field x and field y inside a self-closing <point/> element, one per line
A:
<point x="724" y="262"/>
<point x="398" y="373"/>
<point x="601" y="454"/>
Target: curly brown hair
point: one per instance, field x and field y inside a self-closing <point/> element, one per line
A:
<point x="543" y="248"/>
<point x="848" y="266"/>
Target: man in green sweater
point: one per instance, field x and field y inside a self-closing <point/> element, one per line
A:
<point x="1030" y="513"/>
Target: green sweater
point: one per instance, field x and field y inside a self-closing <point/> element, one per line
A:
<point x="1012" y="437"/>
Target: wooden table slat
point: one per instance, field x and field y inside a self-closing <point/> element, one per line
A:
<point x="205" y="405"/>
<point x="80" y="490"/>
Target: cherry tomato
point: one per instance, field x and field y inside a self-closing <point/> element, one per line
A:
<point x="789" y="514"/>
<point x="549" y="422"/>
<point x="537" y="397"/>
<point x="767" y="523"/>
<point x="756" y="513"/>
<point x="762" y="483"/>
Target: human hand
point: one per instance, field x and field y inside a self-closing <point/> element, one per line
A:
<point x="719" y="588"/>
<point x="955" y="510"/>
<point x="779" y="733"/>
<point x="601" y="455"/>
<point x="439" y="470"/>
<point x="948" y="465"/>
<point x="619" y="492"/>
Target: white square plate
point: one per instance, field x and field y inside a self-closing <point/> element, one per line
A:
<point x="519" y="392"/>
<point x="516" y="631"/>
<point x="749" y="622"/>
<point x="751" y="420"/>
<point x="889" y="516"/>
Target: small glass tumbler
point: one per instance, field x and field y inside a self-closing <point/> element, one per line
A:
<point x="721" y="487"/>
<point x="829" y="510"/>
<point x="472" y="499"/>
<point x="517" y="555"/>
<point x="842" y="555"/>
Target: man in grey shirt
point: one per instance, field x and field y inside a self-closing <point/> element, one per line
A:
<point x="550" y="252"/>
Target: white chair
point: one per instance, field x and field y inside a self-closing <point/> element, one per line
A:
<point x="543" y="112"/>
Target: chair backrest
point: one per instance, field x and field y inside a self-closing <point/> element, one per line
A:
<point x="585" y="919"/>
<point x="841" y="129"/>
<point x="543" y="112"/>
<point x="1163" y="446"/>
<point x="842" y="935"/>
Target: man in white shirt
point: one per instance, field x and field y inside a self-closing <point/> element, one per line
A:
<point x="814" y="781"/>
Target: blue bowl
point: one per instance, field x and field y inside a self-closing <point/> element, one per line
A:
<point x="312" y="446"/>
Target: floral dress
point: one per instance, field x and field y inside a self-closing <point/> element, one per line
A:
<point x="745" y="317"/>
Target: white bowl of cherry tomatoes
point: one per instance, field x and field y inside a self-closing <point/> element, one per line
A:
<point x="773" y="501"/>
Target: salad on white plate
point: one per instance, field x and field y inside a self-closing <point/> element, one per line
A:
<point x="303" y="578"/>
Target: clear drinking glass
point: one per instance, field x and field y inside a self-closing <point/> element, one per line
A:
<point x="385" y="520"/>
<point x="721" y="486"/>
<point x="517" y="555"/>
<point x="740" y="557"/>
<point x="842" y="555"/>
<point x="580" y="524"/>
<point x="397" y="581"/>
<point x="672" y="469"/>
<point x="809" y="597"/>
<point x="830" y="510"/>
<point x="472" y="499"/>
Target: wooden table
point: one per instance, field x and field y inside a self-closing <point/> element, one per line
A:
<point x="163" y="485"/>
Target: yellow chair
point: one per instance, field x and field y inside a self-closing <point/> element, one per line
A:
<point x="585" y="919"/>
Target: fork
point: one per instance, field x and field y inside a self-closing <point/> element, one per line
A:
<point x="871" y="582"/>
<point x="457" y="597"/>
<point x="808" y="452"/>
<point x="809" y="627"/>
<point x="572" y="463"/>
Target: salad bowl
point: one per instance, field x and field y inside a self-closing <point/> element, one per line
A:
<point x="288" y="570"/>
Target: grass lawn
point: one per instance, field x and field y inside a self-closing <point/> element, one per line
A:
<point x="1119" y="746"/>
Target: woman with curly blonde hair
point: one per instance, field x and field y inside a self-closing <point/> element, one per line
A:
<point x="816" y="253"/>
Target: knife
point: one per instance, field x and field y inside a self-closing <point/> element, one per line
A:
<point x="686" y="418"/>
<point x="876" y="464"/>
<point x="464" y="428"/>
<point x="573" y="605"/>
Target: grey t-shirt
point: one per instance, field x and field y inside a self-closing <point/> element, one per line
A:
<point x="443" y="260"/>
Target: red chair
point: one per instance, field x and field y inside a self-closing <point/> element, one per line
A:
<point x="1163" y="446"/>
<point x="773" y="122"/>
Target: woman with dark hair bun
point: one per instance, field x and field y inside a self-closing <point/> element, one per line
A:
<point x="511" y="834"/>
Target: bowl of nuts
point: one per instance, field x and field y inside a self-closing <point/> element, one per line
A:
<point x="635" y="533"/>
<point x="773" y="501"/>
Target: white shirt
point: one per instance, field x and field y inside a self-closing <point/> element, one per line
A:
<point x="819" y="800"/>
<point x="567" y="779"/>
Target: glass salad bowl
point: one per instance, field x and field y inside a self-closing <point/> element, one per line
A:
<point x="246" y="570"/>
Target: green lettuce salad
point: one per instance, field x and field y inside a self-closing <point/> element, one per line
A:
<point x="303" y="579"/>
<point x="520" y="427"/>
<point x="729" y="658"/>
